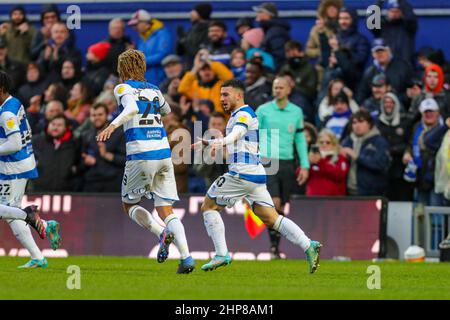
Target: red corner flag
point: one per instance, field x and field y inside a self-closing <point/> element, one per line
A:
<point x="253" y="224"/>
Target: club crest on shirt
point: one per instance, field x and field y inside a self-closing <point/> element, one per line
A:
<point x="10" y="123"/>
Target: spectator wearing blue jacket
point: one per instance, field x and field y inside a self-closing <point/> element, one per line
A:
<point x="155" y="41"/>
<point x="398" y="29"/>
<point x="276" y="32"/>
<point x="369" y="154"/>
<point x="350" y="50"/>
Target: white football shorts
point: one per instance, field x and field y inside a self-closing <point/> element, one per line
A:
<point x="228" y="189"/>
<point x="12" y="191"/>
<point x="153" y="179"/>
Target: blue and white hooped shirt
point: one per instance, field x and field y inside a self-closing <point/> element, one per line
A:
<point x="13" y="120"/>
<point x="146" y="138"/>
<point x="243" y="155"/>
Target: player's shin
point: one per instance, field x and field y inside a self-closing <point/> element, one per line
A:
<point x="7" y="212"/>
<point x="143" y="218"/>
<point x="292" y="232"/>
<point x="23" y="234"/>
<point x="216" y="230"/>
<point x="174" y="225"/>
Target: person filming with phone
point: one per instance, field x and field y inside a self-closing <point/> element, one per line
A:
<point x="329" y="169"/>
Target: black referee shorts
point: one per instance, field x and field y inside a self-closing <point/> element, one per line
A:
<point x="280" y="185"/>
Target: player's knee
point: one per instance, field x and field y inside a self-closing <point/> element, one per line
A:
<point x="207" y="205"/>
<point x="268" y="215"/>
<point x="126" y="207"/>
<point x="204" y="207"/>
<point x="164" y="211"/>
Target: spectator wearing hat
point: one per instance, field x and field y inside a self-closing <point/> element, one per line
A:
<point x="398" y="29"/>
<point x="368" y="153"/>
<point x="174" y="70"/>
<point x="119" y="42"/>
<point x="258" y="89"/>
<point x="35" y="84"/>
<point x="379" y="88"/>
<point x="338" y="121"/>
<point x="18" y="33"/>
<point x="58" y="49"/>
<point x="242" y="25"/>
<point x="433" y="80"/>
<point x="154" y="41"/>
<point x="276" y="32"/>
<point x="188" y="43"/>
<point x="204" y="80"/>
<point x="394" y="129"/>
<point x="219" y="44"/>
<point x="15" y="69"/>
<point x="398" y="72"/>
<point x="326" y="26"/>
<point x="349" y="50"/>
<point x="251" y="42"/>
<point x="305" y="74"/>
<point x="424" y="143"/>
<point x="97" y="69"/>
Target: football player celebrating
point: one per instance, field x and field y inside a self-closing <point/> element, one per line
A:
<point x="148" y="170"/>
<point x="246" y="178"/>
<point x="17" y="165"/>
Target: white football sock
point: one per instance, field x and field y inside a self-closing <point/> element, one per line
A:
<point x="143" y="218"/>
<point x="7" y="212"/>
<point x="174" y="225"/>
<point x="292" y="232"/>
<point x="23" y="234"/>
<point x="216" y="230"/>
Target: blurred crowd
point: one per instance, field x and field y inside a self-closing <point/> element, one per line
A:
<point x="375" y="113"/>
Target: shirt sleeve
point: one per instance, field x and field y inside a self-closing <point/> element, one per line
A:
<point x="121" y="90"/>
<point x="164" y="105"/>
<point x="243" y="119"/>
<point x="235" y="134"/>
<point x="301" y="145"/>
<point x="9" y="122"/>
<point x="124" y="96"/>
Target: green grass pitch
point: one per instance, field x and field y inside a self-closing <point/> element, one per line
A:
<point x="141" y="278"/>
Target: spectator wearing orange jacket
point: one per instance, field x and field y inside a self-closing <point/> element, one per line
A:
<point x="204" y="80"/>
